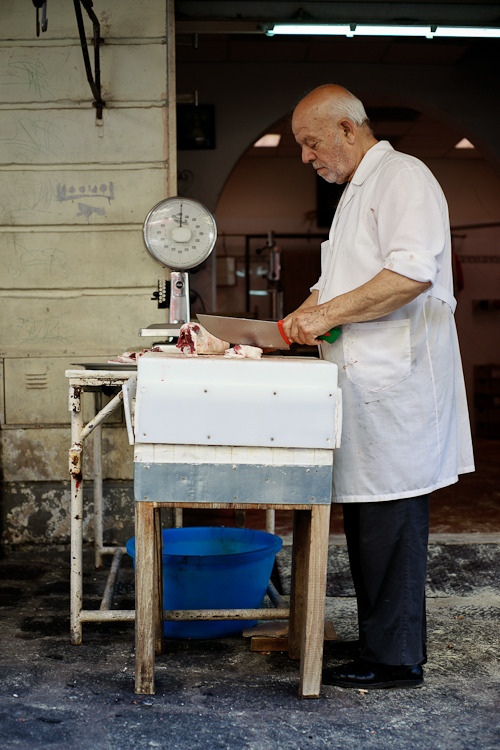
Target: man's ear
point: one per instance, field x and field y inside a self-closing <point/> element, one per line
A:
<point x="349" y="130"/>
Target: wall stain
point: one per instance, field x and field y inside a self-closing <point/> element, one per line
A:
<point x="38" y="512"/>
<point x="26" y="455"/>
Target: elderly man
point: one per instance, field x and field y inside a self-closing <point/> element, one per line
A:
<point x="386" y="280"/>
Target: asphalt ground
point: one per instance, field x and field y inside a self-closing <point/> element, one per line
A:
<point x="220" y="694"/>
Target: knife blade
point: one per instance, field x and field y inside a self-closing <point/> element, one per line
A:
<point x="266" y="334"/>
<point x="262" y="333"/>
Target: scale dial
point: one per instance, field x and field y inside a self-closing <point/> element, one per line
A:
<point x="180" y="233"/>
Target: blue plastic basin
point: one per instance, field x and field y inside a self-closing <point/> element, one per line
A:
<point x="214" y="568"/>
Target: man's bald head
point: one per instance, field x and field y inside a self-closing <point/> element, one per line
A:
<point x="335" y="101"/>
<point x="331" y="126"/>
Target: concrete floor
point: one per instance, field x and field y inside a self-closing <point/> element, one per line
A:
<point x="219" y="694"/>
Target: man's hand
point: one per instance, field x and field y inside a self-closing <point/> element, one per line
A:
<point x="305" y="324"/>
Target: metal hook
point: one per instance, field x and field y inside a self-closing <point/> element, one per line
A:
<point x="43" y="5"/>
<point x="45" y="22"/>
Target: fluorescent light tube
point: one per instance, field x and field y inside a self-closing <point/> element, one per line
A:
<point x="322" y="29"/>
<point x="462" y="31"/>
<point x="351" y="30"/>
<point x="393" y="31"/>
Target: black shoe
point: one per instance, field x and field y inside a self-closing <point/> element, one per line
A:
<point x="352" y="650"/>
<point x="370" y="676"/>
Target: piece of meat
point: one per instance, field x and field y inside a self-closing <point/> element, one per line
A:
<point x="127" y="358"/>
<point x="130" y="358"/>
<point x="195" y="340"/>
<point x="241" y="351"/>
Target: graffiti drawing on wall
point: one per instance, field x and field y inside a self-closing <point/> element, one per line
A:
<point x="71" y="193"/>
<point x="105" y="190"/>
<point x="28" y="198"/>
<point x="32" y="138"/>
<point x="49" y="329"/>
<point x="24" y="73"/>
<point x="87" y="211"/>
<point x="47" y="261"/>
<point x="25" y="198"/>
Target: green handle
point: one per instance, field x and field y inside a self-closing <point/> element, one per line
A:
<point x="331" y="336"/>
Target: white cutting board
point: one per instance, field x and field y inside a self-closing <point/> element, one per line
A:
<point x="287" y="402"/>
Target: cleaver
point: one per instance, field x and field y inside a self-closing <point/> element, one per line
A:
<point x="266" y="334"/>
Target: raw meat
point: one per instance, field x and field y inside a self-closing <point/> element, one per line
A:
<point x="241" y="351"/>
<point x="194" y="340"/>
<point x="130" y="358"/>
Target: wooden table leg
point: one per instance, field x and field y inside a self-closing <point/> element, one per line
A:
<point x="301" y="527"/>
<point x="144" y="599"/>
<point x="315" y="591"/>
<point x="158" y="610"/>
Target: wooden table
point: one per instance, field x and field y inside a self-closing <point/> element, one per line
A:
<point x="189" y="476"/>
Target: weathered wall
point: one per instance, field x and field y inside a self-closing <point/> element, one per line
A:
<point x="76" y="281"/>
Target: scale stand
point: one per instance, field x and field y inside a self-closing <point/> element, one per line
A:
<point x="178" y="305"/>
<point x="179" y="308"/>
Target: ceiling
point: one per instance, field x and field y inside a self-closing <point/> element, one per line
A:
<point x="229" y="31"/>
<point x="250" y="15"/>
<point x="234" y="48"/>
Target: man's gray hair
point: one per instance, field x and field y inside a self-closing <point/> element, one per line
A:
<point x="348" y="105"/>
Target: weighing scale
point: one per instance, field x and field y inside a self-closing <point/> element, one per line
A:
<point x="180" y="234"/>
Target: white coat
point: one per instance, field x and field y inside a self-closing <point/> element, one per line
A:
<point x="405" y="425"/>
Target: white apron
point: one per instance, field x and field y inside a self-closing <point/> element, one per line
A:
<point x="405" y="425"/>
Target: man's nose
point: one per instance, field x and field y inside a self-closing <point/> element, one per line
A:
<point x="307" y="154"/>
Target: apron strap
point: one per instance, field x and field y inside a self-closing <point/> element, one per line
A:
<point x="444" y="295"/>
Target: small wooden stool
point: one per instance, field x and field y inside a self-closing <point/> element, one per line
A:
<point x="283" y="479"/>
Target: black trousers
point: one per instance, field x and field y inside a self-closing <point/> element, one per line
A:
<point x="387" y="544"/>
